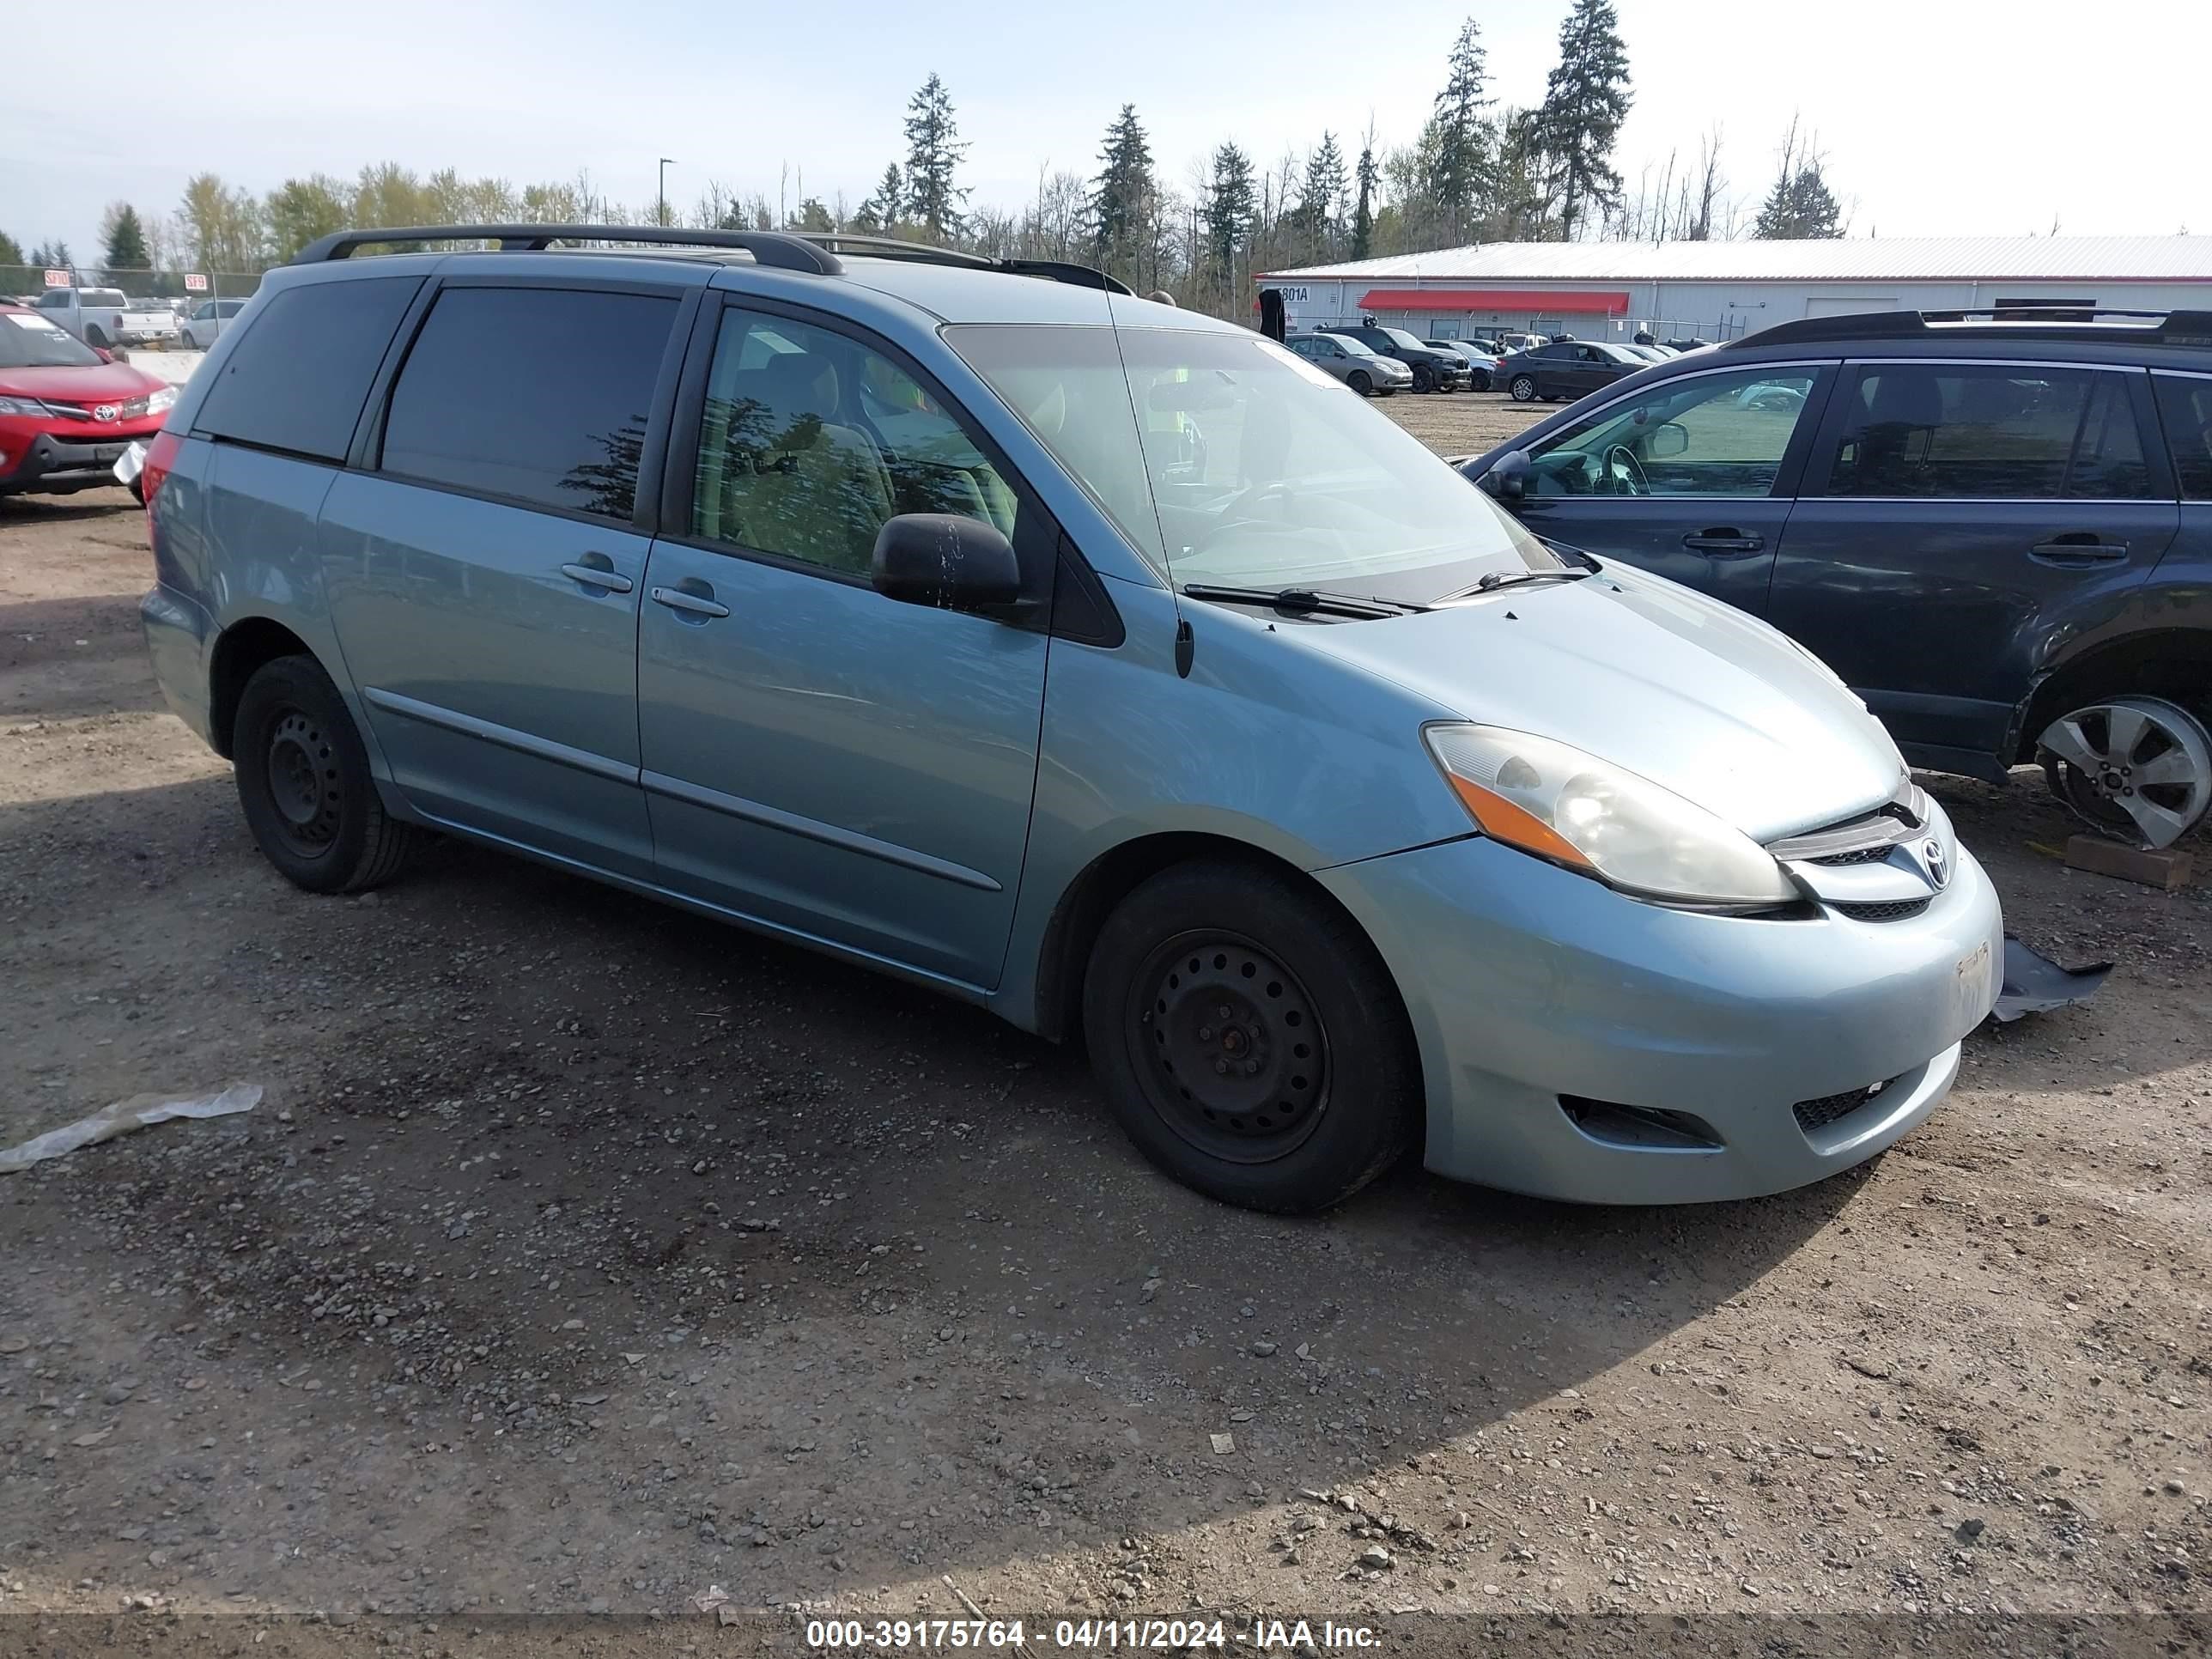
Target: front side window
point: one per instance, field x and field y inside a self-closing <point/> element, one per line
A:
<point x="1703" y="434"/>
<point x="1996" y="431"/>
<point x="485" y="404"/>
<point x="1225" y="460"/>
<point x="810" y="441"/>
<point x="2184" y="407"/>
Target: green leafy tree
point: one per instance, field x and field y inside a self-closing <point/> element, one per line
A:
<point x="933" y="153"/>
<point x="300" y="210"/>
<point x="123" y="240"/>
<point x="11" y="251"/>
<point x="1124" y="188"/>
<point x="1230" y="197"/>
<point x="880" y="213"/>
<point x="222" y="226"/>
<point x="1585" y="100"/>
<point x="1462" y="156"/>
<point x="1362" y="212"/>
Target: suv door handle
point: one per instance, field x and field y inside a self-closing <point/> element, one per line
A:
<point x="2077" y="554"/>
<point x="1723" y="542"/>
<point x="593" y="575"/>
<point x="676" y="600"/>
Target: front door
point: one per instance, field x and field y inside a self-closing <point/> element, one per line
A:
<point x="484" y="579"/>
<point x="1961" y="520"/>
<point x="817" y="757"/>
<point x="1690" y="479"/>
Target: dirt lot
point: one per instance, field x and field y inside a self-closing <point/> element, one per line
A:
<point x="585" y="1254"/>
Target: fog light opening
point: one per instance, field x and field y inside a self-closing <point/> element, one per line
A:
<point x="1640" y="1128"/>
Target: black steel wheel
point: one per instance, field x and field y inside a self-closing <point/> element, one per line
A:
<point x="1358" y="382"/>
<point x="305" y="786"/>
<point x="1249" y="1039"/>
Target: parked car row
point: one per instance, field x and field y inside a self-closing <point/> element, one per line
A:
<point x="67" y="411"/>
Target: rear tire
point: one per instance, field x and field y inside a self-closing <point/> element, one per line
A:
<point x="2136" y="769"/>
<point x="1523" y="388"/>
<point x="1358" y="382"/>
<point x="94" y="335"/>
<point x="305" y="786"/>
<point x="1302" y="1091"/>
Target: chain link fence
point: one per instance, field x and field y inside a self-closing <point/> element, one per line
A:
<point x="176" y="289"/>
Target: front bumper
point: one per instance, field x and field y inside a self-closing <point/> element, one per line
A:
<point x="1526" y="984"/>
<point x="56" y="464"/>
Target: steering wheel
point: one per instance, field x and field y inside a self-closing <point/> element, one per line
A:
<point x="1238" y="509"/>
<point x="1621" y="467"/>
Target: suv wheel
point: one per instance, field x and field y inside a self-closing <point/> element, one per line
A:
<point x="304" y="783"/>
<point x="1251" y="1041"/>
<point x="1358" y="382"/>
<point x="2136" y="768"/>
<point x="1523" y="388"/>
<point x="1423" y="381"/>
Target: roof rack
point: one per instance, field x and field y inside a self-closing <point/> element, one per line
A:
<point x="2040" y="322"/>
<point x="767" y="247"/>
<point x="895" y="247"/>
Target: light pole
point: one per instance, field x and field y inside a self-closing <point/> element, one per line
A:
<point x="666" y="162"/>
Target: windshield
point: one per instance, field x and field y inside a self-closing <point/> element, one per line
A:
<point x="32" y="341"/>
<point x="1227" y="460"/>
<point x="1357" y="347"/>
<point x="1404" y="340"/>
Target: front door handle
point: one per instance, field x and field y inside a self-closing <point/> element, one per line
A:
<point x="2069" y="555"/>
<point x="593" y="575"/>
<point x="1726" y="543"/>
<point x="676" y="600"/>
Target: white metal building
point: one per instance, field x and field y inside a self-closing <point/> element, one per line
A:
<point x="1716" y="290"/>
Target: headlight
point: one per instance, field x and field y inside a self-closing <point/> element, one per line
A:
<point x="22" y="406"/>
<point x="1590" y="817"/>
<point x="160" y="400"/>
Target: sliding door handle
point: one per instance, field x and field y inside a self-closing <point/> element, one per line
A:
<point x="592" y="576"/>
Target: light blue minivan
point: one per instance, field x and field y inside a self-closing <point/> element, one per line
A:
<point x="1102" y="664"/>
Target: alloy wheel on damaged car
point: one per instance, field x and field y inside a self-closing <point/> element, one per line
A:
<point x="2139" y="769"/>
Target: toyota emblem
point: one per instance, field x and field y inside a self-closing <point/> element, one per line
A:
<point x="1939" y="868"/>
<point x="106" y="411"/>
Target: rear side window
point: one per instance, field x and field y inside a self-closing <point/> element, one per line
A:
<point x="2184" y="405"/>
<point x="298" y="376"/>
<point x="2006" y="431"/>
<point x="540" y="395"/>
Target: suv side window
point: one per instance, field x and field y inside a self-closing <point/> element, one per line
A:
<point x="540" y="395"/>
<point x="2184" y="405"/>
<point x="299" y="375"/>
<point x="1994" y="431"/>
<point x="1701" y="435"/>
<point x="810" y="441"/>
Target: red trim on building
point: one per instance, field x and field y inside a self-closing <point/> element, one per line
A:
<point x="1560" y="300"/>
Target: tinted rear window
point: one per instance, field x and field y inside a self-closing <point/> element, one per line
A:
<point x="297" y="377"/>
<point x="2185" y="405"/>
<point x="538" y="395"/>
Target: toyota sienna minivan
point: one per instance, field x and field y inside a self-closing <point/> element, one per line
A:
<point x="1074" y="655"/>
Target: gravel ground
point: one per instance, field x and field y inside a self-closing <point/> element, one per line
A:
<point x="585" y="1254"/>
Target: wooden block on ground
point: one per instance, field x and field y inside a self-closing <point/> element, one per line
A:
<point x="2166" y="869"/>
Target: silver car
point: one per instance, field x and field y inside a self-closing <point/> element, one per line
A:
<point x="208" y="320"/>
<point x="1368" y="373"/>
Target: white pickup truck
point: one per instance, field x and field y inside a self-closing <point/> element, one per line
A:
<point x="106" y="317"/>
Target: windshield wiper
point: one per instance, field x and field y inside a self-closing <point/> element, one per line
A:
<point x="1498" y="578"/>
<point x="1303" y="599"/>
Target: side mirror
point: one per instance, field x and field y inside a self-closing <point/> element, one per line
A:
<point x="103" y="354"/>
<point x="1508" y="479"/>
<point x="1668" y="439"/>
<point x="945" y="561"/>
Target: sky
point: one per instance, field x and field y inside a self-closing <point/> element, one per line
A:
<point x="1937" y="117"/>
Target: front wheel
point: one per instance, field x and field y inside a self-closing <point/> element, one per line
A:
<point x="2136" y="769"/>
<point x="1523" y="388"/>
<point x="305" y="786"/>
<point x="1423" y="380"/>
<point x="1358" y="382"/>
<point x="1249" y="1039"/>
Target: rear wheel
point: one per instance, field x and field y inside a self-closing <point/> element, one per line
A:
<point x="304" y="783"/>
<point x="1523" y="388"/>
<point x="1250" y="1042"/>
<point x="2136" y="768"/>
<point x="1358" y="382"/>
<point x="95" y="334"/>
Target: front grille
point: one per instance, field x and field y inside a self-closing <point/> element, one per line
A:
<point x="1887" y="910"/>
<point x="1815" y="1114"/>
<point x="1861" y="855"/>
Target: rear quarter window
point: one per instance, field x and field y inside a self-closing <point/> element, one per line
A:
<point x="297" y="377"/>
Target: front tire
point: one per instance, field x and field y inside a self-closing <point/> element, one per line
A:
<point x="1358" y="382"/>
<point x="1523" y="388"/>
<point x="305" y="786"/>
<point x="1249" y="1039"/>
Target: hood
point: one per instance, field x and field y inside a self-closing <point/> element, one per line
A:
<point x="1657" y="679"/>
<point x="102" y="383"/>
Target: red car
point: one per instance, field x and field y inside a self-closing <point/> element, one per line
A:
<point x="67" y="410"/>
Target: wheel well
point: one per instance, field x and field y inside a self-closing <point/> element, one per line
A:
<point x="245" y="647"/>
<point x="2174" y="663"/>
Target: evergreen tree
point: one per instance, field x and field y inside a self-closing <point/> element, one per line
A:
<point x="1362" y="215"/>
<point x="1800" y="207"/>
<point x="1229" y="199"/>
<point x="880" y="213"/>
<point x="123" y="239"/>
<point x="811" y="215"/>
<point x="1585" y="101"/>
<point x="1462" y="140"/>
<point x="51" y="255"/>
<point x="11" y="251"/>
<point x="933" y="151"/>
<point x="1321" y="197"/>
<point x="1125" y="188"/>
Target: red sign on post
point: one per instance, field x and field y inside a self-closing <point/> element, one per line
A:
<point x="195" y="281"/>
<point x="58" y="279"/>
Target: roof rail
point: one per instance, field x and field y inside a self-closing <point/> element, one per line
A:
<point x="897" y="247"/>
<point x="767" y="247"/>
<point x="2022" y="321"/>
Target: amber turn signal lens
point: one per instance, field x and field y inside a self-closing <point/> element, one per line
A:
<point x="1502" y="820"/>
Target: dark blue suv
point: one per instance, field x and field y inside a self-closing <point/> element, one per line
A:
<point x="1998" y="531"/>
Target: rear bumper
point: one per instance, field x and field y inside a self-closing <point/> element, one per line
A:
<point x="56" y="465"/>
<point x="178" y="634"/>
<point x="1742" y="1050"/>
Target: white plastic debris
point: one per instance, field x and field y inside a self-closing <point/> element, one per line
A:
<point x="712" y="1597"/>
<point x="120" y="1118"/>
